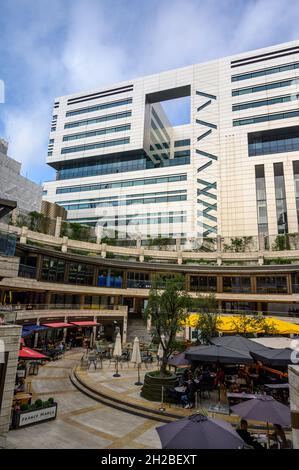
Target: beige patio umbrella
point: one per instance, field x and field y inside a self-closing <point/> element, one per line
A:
<point x="117" y="352"/>
<point x="136" y="358"/>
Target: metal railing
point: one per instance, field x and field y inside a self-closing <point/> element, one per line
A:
<point x="21" y="307"/>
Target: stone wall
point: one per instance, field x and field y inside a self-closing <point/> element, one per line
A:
<point x="9" y="266"/>
<point x="10" y="339"/>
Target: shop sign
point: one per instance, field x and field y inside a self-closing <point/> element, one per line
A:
<point x="31" y="417"/>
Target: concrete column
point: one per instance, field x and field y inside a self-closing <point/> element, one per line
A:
<point x="261" y="261"/>
<point x="64" y="244"/>
<point x="125" y="328"/>
<point x="180" y="257"/>
<point x="9" y="344"/>
<point x="64" y="330"/>
<point x="219" y="243"/>
<point x="24" y="234"/>
<point x="219" y="261"/>
<point x="138" y="243"/>
<point x="48" y="298"/>
<point x="261" y="242"/>
<point x="104" y="250"/>
<point x="294" y="402"/>
<point x="36" y="335"/>
<point x="141" y="255"/>
<point x="58" y="226"/>
<point x="178" y="244"/>
<point x="82" y="301"/>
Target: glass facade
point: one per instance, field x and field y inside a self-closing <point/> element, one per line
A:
<point x="91" y="109"/>
<point x="98" y="145"/>
<point x="261" y="200"/>
<point x="280" y="196"/>
<point x="267" y="71"/>
<point x="268" y="102"/>
<point x="115" y="164"/>
<point x="273" y="141"/>
<point x="108" y="278"/>
<point x="52" y="269"/>
<point x="236" y="284"/>
<point x="80" y="273"/>
<point x="108" y="117"/>
<point x="271" y="284"/>
<point x="203" y="283"/>
<point x="122" y="184"/>
<point x="126" y="202"/>
<point x="266" y="118"/>
<point x="107" y="130"/>
<point x="138" y="279"/>
<point x="265" y="87"/>
<point x="182" y="143"/>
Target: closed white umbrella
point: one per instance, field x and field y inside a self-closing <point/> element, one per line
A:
<point x="136" y="358"/>
<point x="117" y="352"/>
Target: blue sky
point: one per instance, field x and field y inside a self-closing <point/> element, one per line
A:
<point x="53" y="47"/>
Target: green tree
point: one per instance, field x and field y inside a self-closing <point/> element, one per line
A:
<point x="168" y="309"/>
<point x="208" y="320"/>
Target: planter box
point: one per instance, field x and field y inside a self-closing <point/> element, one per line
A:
<point x="30" y="417"/>
<point x="152" y="387"/>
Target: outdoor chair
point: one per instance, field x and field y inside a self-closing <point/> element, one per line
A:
<point x="92" y="359"/>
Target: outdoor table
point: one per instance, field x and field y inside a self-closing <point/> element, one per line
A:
<point x="261" y="439"/>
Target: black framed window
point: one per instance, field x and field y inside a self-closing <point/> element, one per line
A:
<point x="236" y="284"/>
<point x="203" y="283"/>
<point x="280" y="195"/>
<point x="271" y="284"/>
<point x="81" y="273"/>
<point x="52" y="269"/>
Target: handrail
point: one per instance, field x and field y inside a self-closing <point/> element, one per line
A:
<point x="180" y="256"/>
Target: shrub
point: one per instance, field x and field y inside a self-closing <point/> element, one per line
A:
<point x="38" y="403"/>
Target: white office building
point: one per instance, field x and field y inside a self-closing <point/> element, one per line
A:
<point x="233" y="170"/>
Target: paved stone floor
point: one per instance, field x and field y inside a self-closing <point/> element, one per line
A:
<point x="82" y="423"/>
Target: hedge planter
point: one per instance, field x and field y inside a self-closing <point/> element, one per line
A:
<point x="153" y="383"/>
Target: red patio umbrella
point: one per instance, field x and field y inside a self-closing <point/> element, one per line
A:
<point x="28" y="353"/>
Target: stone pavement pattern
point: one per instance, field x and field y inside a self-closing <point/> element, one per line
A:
<point x="81" y="423"/>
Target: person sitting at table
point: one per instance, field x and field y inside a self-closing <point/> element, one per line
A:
<point x="279" y="437"/>
<point x="187" y="398"/>
<point x="243" y="432"/>
<point x="220" y="376"/>
<point x="21" y="386"/>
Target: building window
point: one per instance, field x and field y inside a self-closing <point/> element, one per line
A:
<point x="138" y="279"/>
<point x="265" y="118"/>
<point x="106" y="130"/>
<point x="280" y="196"/>
<point x="52" y="269"/>
<point x="107" y="143"/>
<point x="261" y="200"/>
<point x="271" y="284"/>
<point x="267" y="86"/>
<point x="108" y="117"/>
<point x="273" y="141"/>
<point x="268" y="102"/>
<point x="81" y="274"/>
<point x="236" y="284"/>
<point x="108" y="278"/>
<point x="203" y="283"/>
<point x="296" y="182"/>
<point x="263" y="72"/>
<point x="91" y="109"/>
<point x="182" y="143"/>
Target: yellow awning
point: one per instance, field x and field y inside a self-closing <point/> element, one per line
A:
<point x="237" y="324"/>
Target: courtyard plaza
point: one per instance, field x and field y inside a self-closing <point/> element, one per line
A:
<point x="82" y="422"/>
<point x="98" y="410"/>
